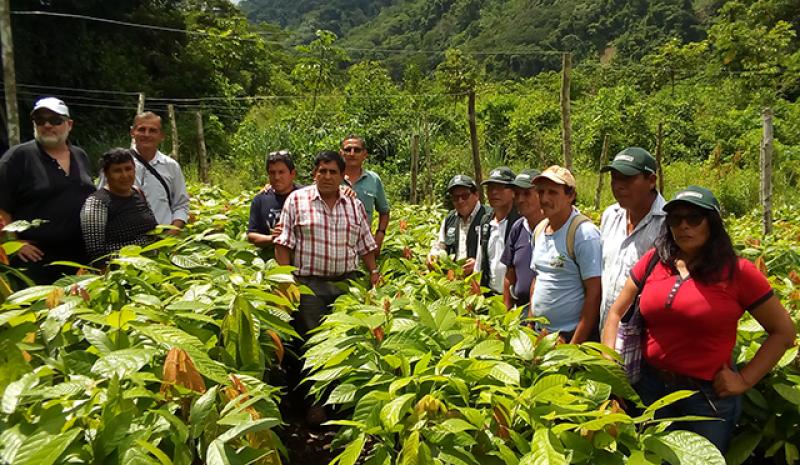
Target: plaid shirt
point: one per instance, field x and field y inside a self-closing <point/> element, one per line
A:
<point x="326" y="241"/>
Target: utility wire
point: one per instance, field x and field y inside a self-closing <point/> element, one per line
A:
<point x="141" y="26"/>
<point x="229" y="37"/>
<point x="241" y="98"/>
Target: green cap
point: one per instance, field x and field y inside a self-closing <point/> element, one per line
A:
<point x="525" y="178"/>
<point x="461" y="180"/>
<point x="694" y="195"/>
<point x="632" y="161"/>
<point x="500" y="175"/>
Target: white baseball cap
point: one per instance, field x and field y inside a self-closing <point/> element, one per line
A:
<point x="53" y="104"/>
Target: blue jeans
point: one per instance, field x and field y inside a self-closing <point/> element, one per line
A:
<point x="705" y="403"/>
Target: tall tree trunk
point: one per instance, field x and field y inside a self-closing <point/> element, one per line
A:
<point x="9" y="74"/>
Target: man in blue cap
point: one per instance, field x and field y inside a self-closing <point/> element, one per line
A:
<point x="458" y="236"/>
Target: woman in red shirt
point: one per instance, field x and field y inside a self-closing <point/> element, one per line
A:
<point x="691" y="304"/>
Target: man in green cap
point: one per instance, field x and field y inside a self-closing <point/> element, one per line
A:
<point x="495" y="227"/>
<point x="629" y="227"/>
<point x="517" y="254"/>
<point x="458" y="236"/>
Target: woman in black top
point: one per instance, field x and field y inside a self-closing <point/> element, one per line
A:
<point x="117" y="214"/>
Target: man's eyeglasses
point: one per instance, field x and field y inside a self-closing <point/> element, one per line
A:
<point x="692" y="219"/>
<point x="460" y="197"/>
<point x="55" y="120"/>
<point x="353" y="149"/>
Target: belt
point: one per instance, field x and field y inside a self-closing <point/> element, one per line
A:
<point x="675" y="378"/>
<point x="339" y="277"/>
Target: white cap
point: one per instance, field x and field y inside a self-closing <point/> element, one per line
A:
<point x="53" y="104"/>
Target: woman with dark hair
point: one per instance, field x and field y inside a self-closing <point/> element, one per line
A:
<point x="117" y="214"/>
<point x="691" y="303"/>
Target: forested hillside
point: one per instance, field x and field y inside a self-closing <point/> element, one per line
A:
<point x="585" y="27"/>
<point x="703" y="71"/>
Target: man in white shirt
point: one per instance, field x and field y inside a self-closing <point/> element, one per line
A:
<point x="495" y="226"/>
<point x="159" y="176"/>
<point x="629" y="227"/>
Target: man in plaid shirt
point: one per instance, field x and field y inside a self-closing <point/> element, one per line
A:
<point x="324" y="234"/>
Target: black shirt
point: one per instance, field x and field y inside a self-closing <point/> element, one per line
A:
<point x="265" y="210"/>
<point x="33" y="186"/>
<point x="110" y="222"/>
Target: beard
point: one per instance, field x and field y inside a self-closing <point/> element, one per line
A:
<point x="50" y="141"/>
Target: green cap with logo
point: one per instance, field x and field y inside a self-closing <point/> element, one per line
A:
<point x="632" y="161"/>
<point x="461" y="180"/>
<point x="500" y="175"/>
<point x="694" y="195"/>
<point x="524" y="179"/>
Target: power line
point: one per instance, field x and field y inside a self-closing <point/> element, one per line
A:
<point x="466" y="52"/>
<point x="95" y="91"/>
<point x="225" y="98"/>
<point x="229" y="37"/>
<point x="141" y="26"/>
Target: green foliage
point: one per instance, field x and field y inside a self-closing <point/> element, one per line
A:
<point x="430" y="370"/>
<point x="113" y="367"/>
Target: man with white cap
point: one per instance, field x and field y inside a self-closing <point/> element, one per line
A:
<point x="567" y="261"/>
<point x="46" y="178"/>
<point x="629" y="227"/>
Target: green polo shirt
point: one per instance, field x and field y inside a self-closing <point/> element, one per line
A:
<point x="369" y="190"/>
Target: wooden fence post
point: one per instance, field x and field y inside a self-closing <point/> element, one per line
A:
<point x="566" y="125"/>
<point x="140" y="105"/>
<point x="473" y="140"/>
<point x="603" y="160"/>
<point x="173" y="126"/>
<point x="9" y="74"/>
<point x="428" y="165"/>
<point x="765" y="163"/>
<point x="414" y="166"/>
<point x="201" y="149"/>
<point x="659" y="166"/>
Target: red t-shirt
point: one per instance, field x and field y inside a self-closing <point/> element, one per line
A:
<point x="694" y="334"/>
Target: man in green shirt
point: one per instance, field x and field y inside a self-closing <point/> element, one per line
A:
<point x="367" y="184"/>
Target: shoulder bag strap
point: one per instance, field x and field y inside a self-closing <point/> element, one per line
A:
<point x="577" y="220"/>
<point x="650" y="266"/>
<point x="157" y="176"/>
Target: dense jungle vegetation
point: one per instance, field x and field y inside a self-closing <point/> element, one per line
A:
<point x="166" y="358"/>
<point x="705" y="70"/>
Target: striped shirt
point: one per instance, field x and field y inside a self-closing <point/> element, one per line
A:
<point x="622" y="250"/>
<point x="326" y="241"/>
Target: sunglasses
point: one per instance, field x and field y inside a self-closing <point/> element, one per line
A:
<point x="693" y="219"/>
<point x="353" y="149"/>
<point x="460" y="197"/>
<point x="55" y="120"/>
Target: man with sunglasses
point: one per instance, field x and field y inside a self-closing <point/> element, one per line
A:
<point x="46" y="178"/>
<point x="265" y="210"/>
<point x="458" y="236"/>
<point x="628" y="228"/>
<point x="367" y="184"/>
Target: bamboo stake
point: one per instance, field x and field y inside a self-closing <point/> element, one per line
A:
<point x="603" y="160"/>
<point x="766" y="171"/>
